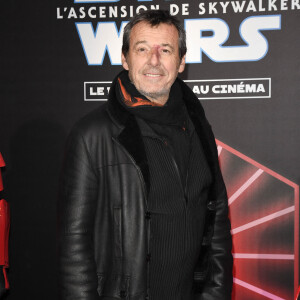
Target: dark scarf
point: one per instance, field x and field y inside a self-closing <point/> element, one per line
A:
<point x="172" y="113"/>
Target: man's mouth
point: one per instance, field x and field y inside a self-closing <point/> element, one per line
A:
<point x="152" y="75"/>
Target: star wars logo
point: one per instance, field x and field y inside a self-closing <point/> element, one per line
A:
<point x="107" y="38"/>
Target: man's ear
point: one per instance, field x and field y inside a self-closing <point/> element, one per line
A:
<point x="182" y="65"/>
<point x="124" y="62"/>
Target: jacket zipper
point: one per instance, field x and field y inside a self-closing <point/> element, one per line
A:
<point x="183" y="188"/>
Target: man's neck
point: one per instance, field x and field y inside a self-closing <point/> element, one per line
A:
<point x="161" y="101"/>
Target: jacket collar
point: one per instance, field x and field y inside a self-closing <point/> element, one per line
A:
<point x="129" y="136"/>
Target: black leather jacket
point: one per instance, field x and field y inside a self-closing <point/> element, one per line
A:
<point x="103" y="229"/>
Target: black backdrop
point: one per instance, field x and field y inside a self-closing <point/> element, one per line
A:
<point x="43" y="70"/>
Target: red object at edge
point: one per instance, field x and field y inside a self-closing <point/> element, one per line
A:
<point x="2" y="164"/>
<point x="4" y="233"/>
<point x="4" y="229"/>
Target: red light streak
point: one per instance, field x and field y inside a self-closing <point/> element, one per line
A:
<point x="245" y="186"/>
<point x="263" y="256"/>
<point x="264" y="219"/>
<point x="256" y="289"/>
<point x="219" y="150"/>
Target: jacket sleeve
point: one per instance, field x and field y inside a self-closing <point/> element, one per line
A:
<point x="218" y="284"/>
<point x="76" y="207"/>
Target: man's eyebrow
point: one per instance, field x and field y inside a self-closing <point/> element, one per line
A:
<point x="168" y="45"/>
<point x="163" y="45"/>
<point x="140" y="42"/>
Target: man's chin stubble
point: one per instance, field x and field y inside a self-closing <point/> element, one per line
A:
<point x="156" y="97"/>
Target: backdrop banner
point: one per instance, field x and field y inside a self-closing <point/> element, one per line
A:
<point x="58" y="59"/>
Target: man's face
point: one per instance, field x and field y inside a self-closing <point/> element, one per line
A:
<point x="153" y="60"/>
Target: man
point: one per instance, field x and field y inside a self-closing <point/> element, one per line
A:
<point x="143" y="210"/>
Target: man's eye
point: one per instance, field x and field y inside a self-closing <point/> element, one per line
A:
<point x="167" y="51"/>
<point x="141" y="50"/>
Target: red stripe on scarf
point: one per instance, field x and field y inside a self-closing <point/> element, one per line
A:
<point x="139" y="101"/>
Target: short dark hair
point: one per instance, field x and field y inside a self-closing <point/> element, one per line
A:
<point x="154" y="18"/>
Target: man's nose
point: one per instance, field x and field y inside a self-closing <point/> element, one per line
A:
<point x="154" y="58"/>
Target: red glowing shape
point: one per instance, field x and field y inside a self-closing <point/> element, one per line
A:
<point x="264" y="214"/>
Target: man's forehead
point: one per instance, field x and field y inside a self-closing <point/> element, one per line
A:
<point x="163" y="44"/>
<point x="142" y="32"/>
